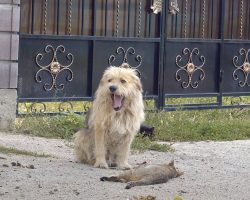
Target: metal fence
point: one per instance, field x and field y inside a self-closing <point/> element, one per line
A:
<point x="194" y="59"/>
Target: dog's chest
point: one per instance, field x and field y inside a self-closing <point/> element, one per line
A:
<point x="114" y="138"/>
<point x="120" y="123"/>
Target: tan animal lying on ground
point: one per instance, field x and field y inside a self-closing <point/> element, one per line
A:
<point x="146" y="175"/>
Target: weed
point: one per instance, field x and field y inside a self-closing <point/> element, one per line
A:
<point x="144" y="143"/>
<point x="177" y="198"/>
<point x="7" y="150"/>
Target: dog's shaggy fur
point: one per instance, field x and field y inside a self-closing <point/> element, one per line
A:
<point x="115" y="118"/>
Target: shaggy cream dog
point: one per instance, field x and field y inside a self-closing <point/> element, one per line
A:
<point x="114" y="120"/>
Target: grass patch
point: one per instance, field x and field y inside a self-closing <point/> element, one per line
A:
<point x="192" y="125"/>
<point x="8" y="150"/>
<point x="226" y="124"/>
<point x="141" y="144"/>
<point x="58" y="126"/>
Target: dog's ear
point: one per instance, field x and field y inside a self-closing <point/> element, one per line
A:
<point x="138" y="80"/>
<point x="104" y="76"/>
<point x="138" y="73"/>
<point x="126" y="65"/>
<point x="102" y="81"/>
<point x="139" y="85"/>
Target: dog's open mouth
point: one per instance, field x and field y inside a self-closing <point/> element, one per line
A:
<point x="117" y="101"/>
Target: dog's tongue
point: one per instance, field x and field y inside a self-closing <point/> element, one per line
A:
<point x="117" y="102"/>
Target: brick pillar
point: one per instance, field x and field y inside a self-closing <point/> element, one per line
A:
<point x="9" y="41"/>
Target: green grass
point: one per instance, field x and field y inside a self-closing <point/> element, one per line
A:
<point x="59" y="126"/>
<point x="141" y="144"/>
<point x="227" y="124"/>
<point x="7" y="150"/>
<point x="196" y="125"/>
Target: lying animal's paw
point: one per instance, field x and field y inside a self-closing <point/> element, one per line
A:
<point x="129" y="185"/>
<point x="104" y="178"/>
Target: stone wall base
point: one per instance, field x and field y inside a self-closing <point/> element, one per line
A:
<point x="8" y="101"/>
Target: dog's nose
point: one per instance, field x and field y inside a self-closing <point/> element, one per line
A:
<point x="112" y="88"/>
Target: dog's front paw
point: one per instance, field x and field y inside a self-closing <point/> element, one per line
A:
<point x="101" y="165"/>
<point x="124" y="166"/>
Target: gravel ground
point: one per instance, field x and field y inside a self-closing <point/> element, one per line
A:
<point x="212" y="171"/>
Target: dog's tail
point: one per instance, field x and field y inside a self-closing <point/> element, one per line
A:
<point x="79" y="138"/>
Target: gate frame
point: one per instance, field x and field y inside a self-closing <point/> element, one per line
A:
<point x="161" y="95"/>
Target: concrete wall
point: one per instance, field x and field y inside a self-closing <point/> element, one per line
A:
<point x="9" y="41"/>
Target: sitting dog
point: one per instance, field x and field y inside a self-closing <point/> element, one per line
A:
<point x="114" y="120"/>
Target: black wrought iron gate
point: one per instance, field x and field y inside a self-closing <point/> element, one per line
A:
<point x="202" y="51"/>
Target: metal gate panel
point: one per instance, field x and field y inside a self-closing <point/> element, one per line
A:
<point x="235" y="68"/>
<point x="50" y="67"/>
<point x="141" y="55"/>
<point x="201" y="51"/>
<point x="191" y="67"/>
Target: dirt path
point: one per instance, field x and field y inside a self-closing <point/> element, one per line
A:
<point x="213" y="171"/>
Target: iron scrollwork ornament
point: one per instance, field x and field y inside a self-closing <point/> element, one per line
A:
<point x="190" y="68"/>
<point x="65" y="107"/>
<point x="126" y="53"/>
<point x="54" y="68"/>
<point x="244" y="67"/>
<point x="35" y="108"/>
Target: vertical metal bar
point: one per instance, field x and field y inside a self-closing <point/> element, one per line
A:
<point x="221" y="49"/>
<point x="200" y="19"/>
<point x="212" y="18"/>
<point x="149" y="22"/>
<point x="32" y="16"/>
<point x="69" y="17"/>
<point x="129" y="8"/>
<point x="241" y="18"/>
<point x="232" y="19"/>
<point x="163" y="20"/>
<point x="191" y="24"/>
<point x="194" y="18"/>
<point x="106" y="17"/>
<point x="92" y="47"/>
<point x="57" y="16"/>
<point x="139" y="19"/>
<point x="248" y="8"/>
<point x="45" y="7"/>
<point x="146" y="24"/>
<point x="117" y="18"/>
<point x="181" y="19"/>
<point x="176" y="25"/>
<point x="82" y="22"/>
<point x="185" y="19"/>
<point x="94" y="7"/>
<point x="173" y="26"/>
<point x="203" y="18"/>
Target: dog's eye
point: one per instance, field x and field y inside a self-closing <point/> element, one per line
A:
<point x="123" y="81"/>
<point x="109" y="80"/>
